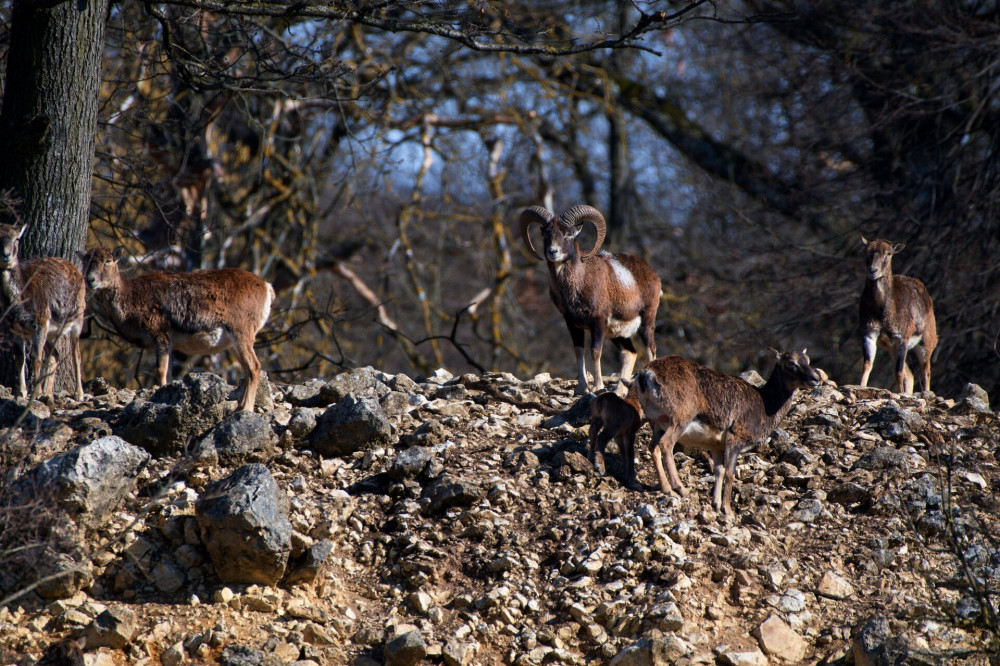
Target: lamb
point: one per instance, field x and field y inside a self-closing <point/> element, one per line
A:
<point x="42" y="300"/>
<point x="610" y="295"/>
<point x="613" y="417"/>
<point x="897" y="314"/>
<point x="201" y="312"/>
<point x="705" y="409"/>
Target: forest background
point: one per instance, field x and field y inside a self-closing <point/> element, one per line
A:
<point x="370" y="159"/>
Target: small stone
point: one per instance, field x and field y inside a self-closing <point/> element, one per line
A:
<point x="114" y="628"/>
<point x="456" y="653"/>
<point x="223" y="595"/>
<point x="421" y="601"/>
<point x="778" y="639"/>
<point x="405" y="650"/>
<point x="174" y="655"/>
<point x="743" y="658"/>
<point x="834" y="586"/>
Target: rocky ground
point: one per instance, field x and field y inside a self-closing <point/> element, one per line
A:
<point x="377" y="519"/>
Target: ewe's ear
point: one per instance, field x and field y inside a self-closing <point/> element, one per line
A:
<point x="118" y="252"/>
<point x="898" y="247"/>
<point x="82" y="256"/>
<point x="775" y="354"/>
<point x="864" y="241"/>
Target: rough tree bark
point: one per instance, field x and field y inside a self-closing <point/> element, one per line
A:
<point x="48" y="125"/>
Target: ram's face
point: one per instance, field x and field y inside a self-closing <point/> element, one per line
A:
<point x="560" y="241"/>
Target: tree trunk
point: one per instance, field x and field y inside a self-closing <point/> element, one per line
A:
<point x="48" y="121"/>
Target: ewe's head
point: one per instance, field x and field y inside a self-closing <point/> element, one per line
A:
<point x="100" y="266"/>
<point x="559" y="233"/>
<point x="880" y="256"/>
<point x="10" y="238"/>
<point x="795" y="369"/>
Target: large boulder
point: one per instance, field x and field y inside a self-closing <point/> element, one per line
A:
<point x="361" y="382"/>
<point x="91" y="480"/>
<point x="244" y="525"/>
<point x="353" y="424"/>
<point x="241" y="438"/>
<point x="175" y="414"/>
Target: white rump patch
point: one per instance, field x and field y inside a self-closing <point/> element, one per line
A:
<point x="623" y="274"/>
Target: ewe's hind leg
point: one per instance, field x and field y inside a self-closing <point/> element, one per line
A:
<point x="719" y="464"/>
<point x="251" y="372"/>
<point x="662" y="445"/>
<point x="923" y="366"/>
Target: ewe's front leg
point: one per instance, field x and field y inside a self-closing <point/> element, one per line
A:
<point x="869" y="346"/>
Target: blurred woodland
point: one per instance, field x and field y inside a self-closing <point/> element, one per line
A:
<point x="372" y="163"/>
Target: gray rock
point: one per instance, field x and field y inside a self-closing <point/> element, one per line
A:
<point x="310" y="565"/>
<point x="448" y="491"/>
<point x="241" y="655"/>
<point x="91" y="480"/>
<point x="168" y="577"/>
<point x="244" y="525"/>
<point x="849" y="493"/>
<point x="242" y="437"/>
<point x="895" y="423"/>
<point x="973" y="400"/>
<point x="873" y="645"/>
<point x="457" y="653"/>
<point x="350" y="425"/>
<point x="410" y="463"/>
<point x="883" y="459"/>
<point x="577" y="415"/>
<point x="359" y="382"/>
<point x="405" y="650"/>
<point x="808" y="510"/>
<point x="175" y="414"/>
<point x="302" y="422"/>
<point x="113" y="628"/>
<point x="394" y="403"/>
<point x="65" y="575"/>
<point x="29" y="415"/>
<point x="306" y="394"/>
<point x="429" y="433"/>
<point x="752" y="377"/>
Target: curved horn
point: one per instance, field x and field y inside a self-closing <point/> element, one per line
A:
<point x="533" y="215"/>
<point x="578" y="215"/>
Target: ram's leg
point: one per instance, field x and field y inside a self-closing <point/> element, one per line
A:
<point x="596" y="346"/>
<point x="629" y="355"/>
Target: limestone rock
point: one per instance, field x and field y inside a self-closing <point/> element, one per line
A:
<point x="175" y="414"/>
<point x="244" y="525"/>
<point x="350" y="425"/>
<point x="778" y="639"/>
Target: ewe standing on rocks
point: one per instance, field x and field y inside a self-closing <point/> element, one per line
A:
<point x="612" y="295"/>
<point x="706" y="409"/>
<point x="897" y="314"/>
<point x="42" y="301"/>
<point x="202" y="312"/>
